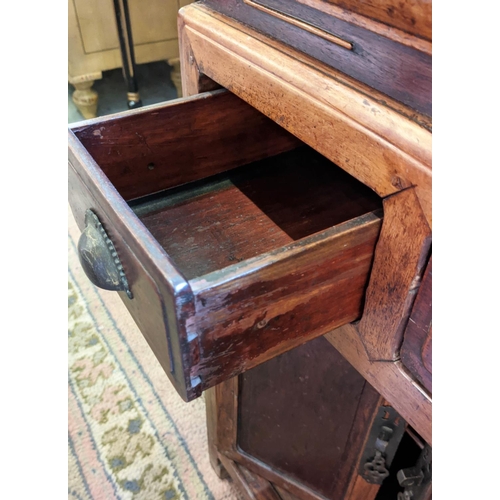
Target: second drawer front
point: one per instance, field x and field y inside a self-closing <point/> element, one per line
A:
<point x="399" y="71"/>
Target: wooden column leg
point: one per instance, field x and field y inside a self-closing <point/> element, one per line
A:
<point x="212" y="421"/>
<point x="175" y="74"/>
<point x="84" y="96"/>
<point x="193" y="80"/>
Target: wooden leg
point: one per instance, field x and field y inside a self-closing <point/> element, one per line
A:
<point x="211" y="409"/>
<point x="175" y="74"/>
<point x="193" y="81"/>
<point x="84" y="97"/>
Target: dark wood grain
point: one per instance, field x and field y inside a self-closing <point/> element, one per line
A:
<point x="400" y="258"/>
<point x="252" y="311"/>
<point x="414" y="16"/>
<point x="306" y="414"/>
<point x="377" y="145"/>
<point x="253" y="210"/>
<point x="162" y="297"/>
<point x="391" y="379"/>
<point x="416" y="351"/>
<point x="247" y="274"/>
<point x="250" y="485"/>
<point x="184" y="140"/>
<point x="397" y="70"/>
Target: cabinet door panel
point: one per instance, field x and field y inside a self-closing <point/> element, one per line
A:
<point x="416" y="352"/>
<point x="306" y="414"/>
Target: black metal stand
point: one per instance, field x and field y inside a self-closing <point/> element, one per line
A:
<point x="127" y="52"/>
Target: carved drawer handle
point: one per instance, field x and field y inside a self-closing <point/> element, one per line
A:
<point x="99" y="258"/>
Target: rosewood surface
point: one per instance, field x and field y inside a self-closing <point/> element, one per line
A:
<point x="416" y="352"/>
<point x="389" y="378"/>
<point x="156" y="148"/>
<point x="300" y="420"/>
<point x="232" y="217"/>
<point x="304" y="414"/>
<point x="403" y="73"/>
<point x="233" y="270"/>
<point x="414" y="17"/>
<point x="400" y="257"/>
<point x="377" y="144"/>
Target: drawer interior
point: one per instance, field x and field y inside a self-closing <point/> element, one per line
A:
<point x="208" y="225"/>
<point x="238" y="242"/>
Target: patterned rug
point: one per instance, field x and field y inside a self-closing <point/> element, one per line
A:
<point x="130" y="434"/>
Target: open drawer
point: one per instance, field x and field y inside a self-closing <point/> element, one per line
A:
<point x="229" y="241"/>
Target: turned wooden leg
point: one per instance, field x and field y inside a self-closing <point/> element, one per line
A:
<point x="84" y="97"/>
<point x="175" y="74"/>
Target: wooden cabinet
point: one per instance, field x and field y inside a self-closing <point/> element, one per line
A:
<point x="416" y="351"/>
<point x="272" y="237"/>
<point x="93" y="42"/>
<point x="371" y="52"/>
<point x="387" y="146"/>
<point x="228" y="271"/>
<point x="301" y="421"/>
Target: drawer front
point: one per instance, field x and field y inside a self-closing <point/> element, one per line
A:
<point x="416" y="351"/>
<point x="160" y="294"/>
<point x="413" y="17"/>
<point x="395" y="69"/>
<point x="206" y="317"/>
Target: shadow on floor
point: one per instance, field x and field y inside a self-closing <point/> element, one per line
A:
<point x="154" y="84"/>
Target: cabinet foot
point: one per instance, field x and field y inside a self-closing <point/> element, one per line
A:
<point x="217" y="466"/>
<point x="84" y="96"/>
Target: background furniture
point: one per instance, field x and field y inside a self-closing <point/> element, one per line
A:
<point x="93" y="42"/>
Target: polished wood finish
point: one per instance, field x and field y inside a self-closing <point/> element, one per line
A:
<point x="400" y="259"/>
<point x="281" y="400"/>
<point x="220" y="266"/>
<point x="234" y="56"/>
<point x="151" y="274"/>
<point x="390" y="378"/>
<point x="261" y="261"/>
<point x="414" y="17"/>
<point x="395" y="69"/>
<point x="289" y="88"/>
<point x="373" y="142"/>
<point x="150" y="150"/>
<point x="253" y="311"/>
<point x="348" y="11"/>
<point x="304" y="413"/>
<point x="416" y="352"/>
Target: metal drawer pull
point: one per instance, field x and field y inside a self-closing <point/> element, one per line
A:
<point x="99" y="258"/>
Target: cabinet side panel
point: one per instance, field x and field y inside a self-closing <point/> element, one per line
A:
<point x="305" y="414"/>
